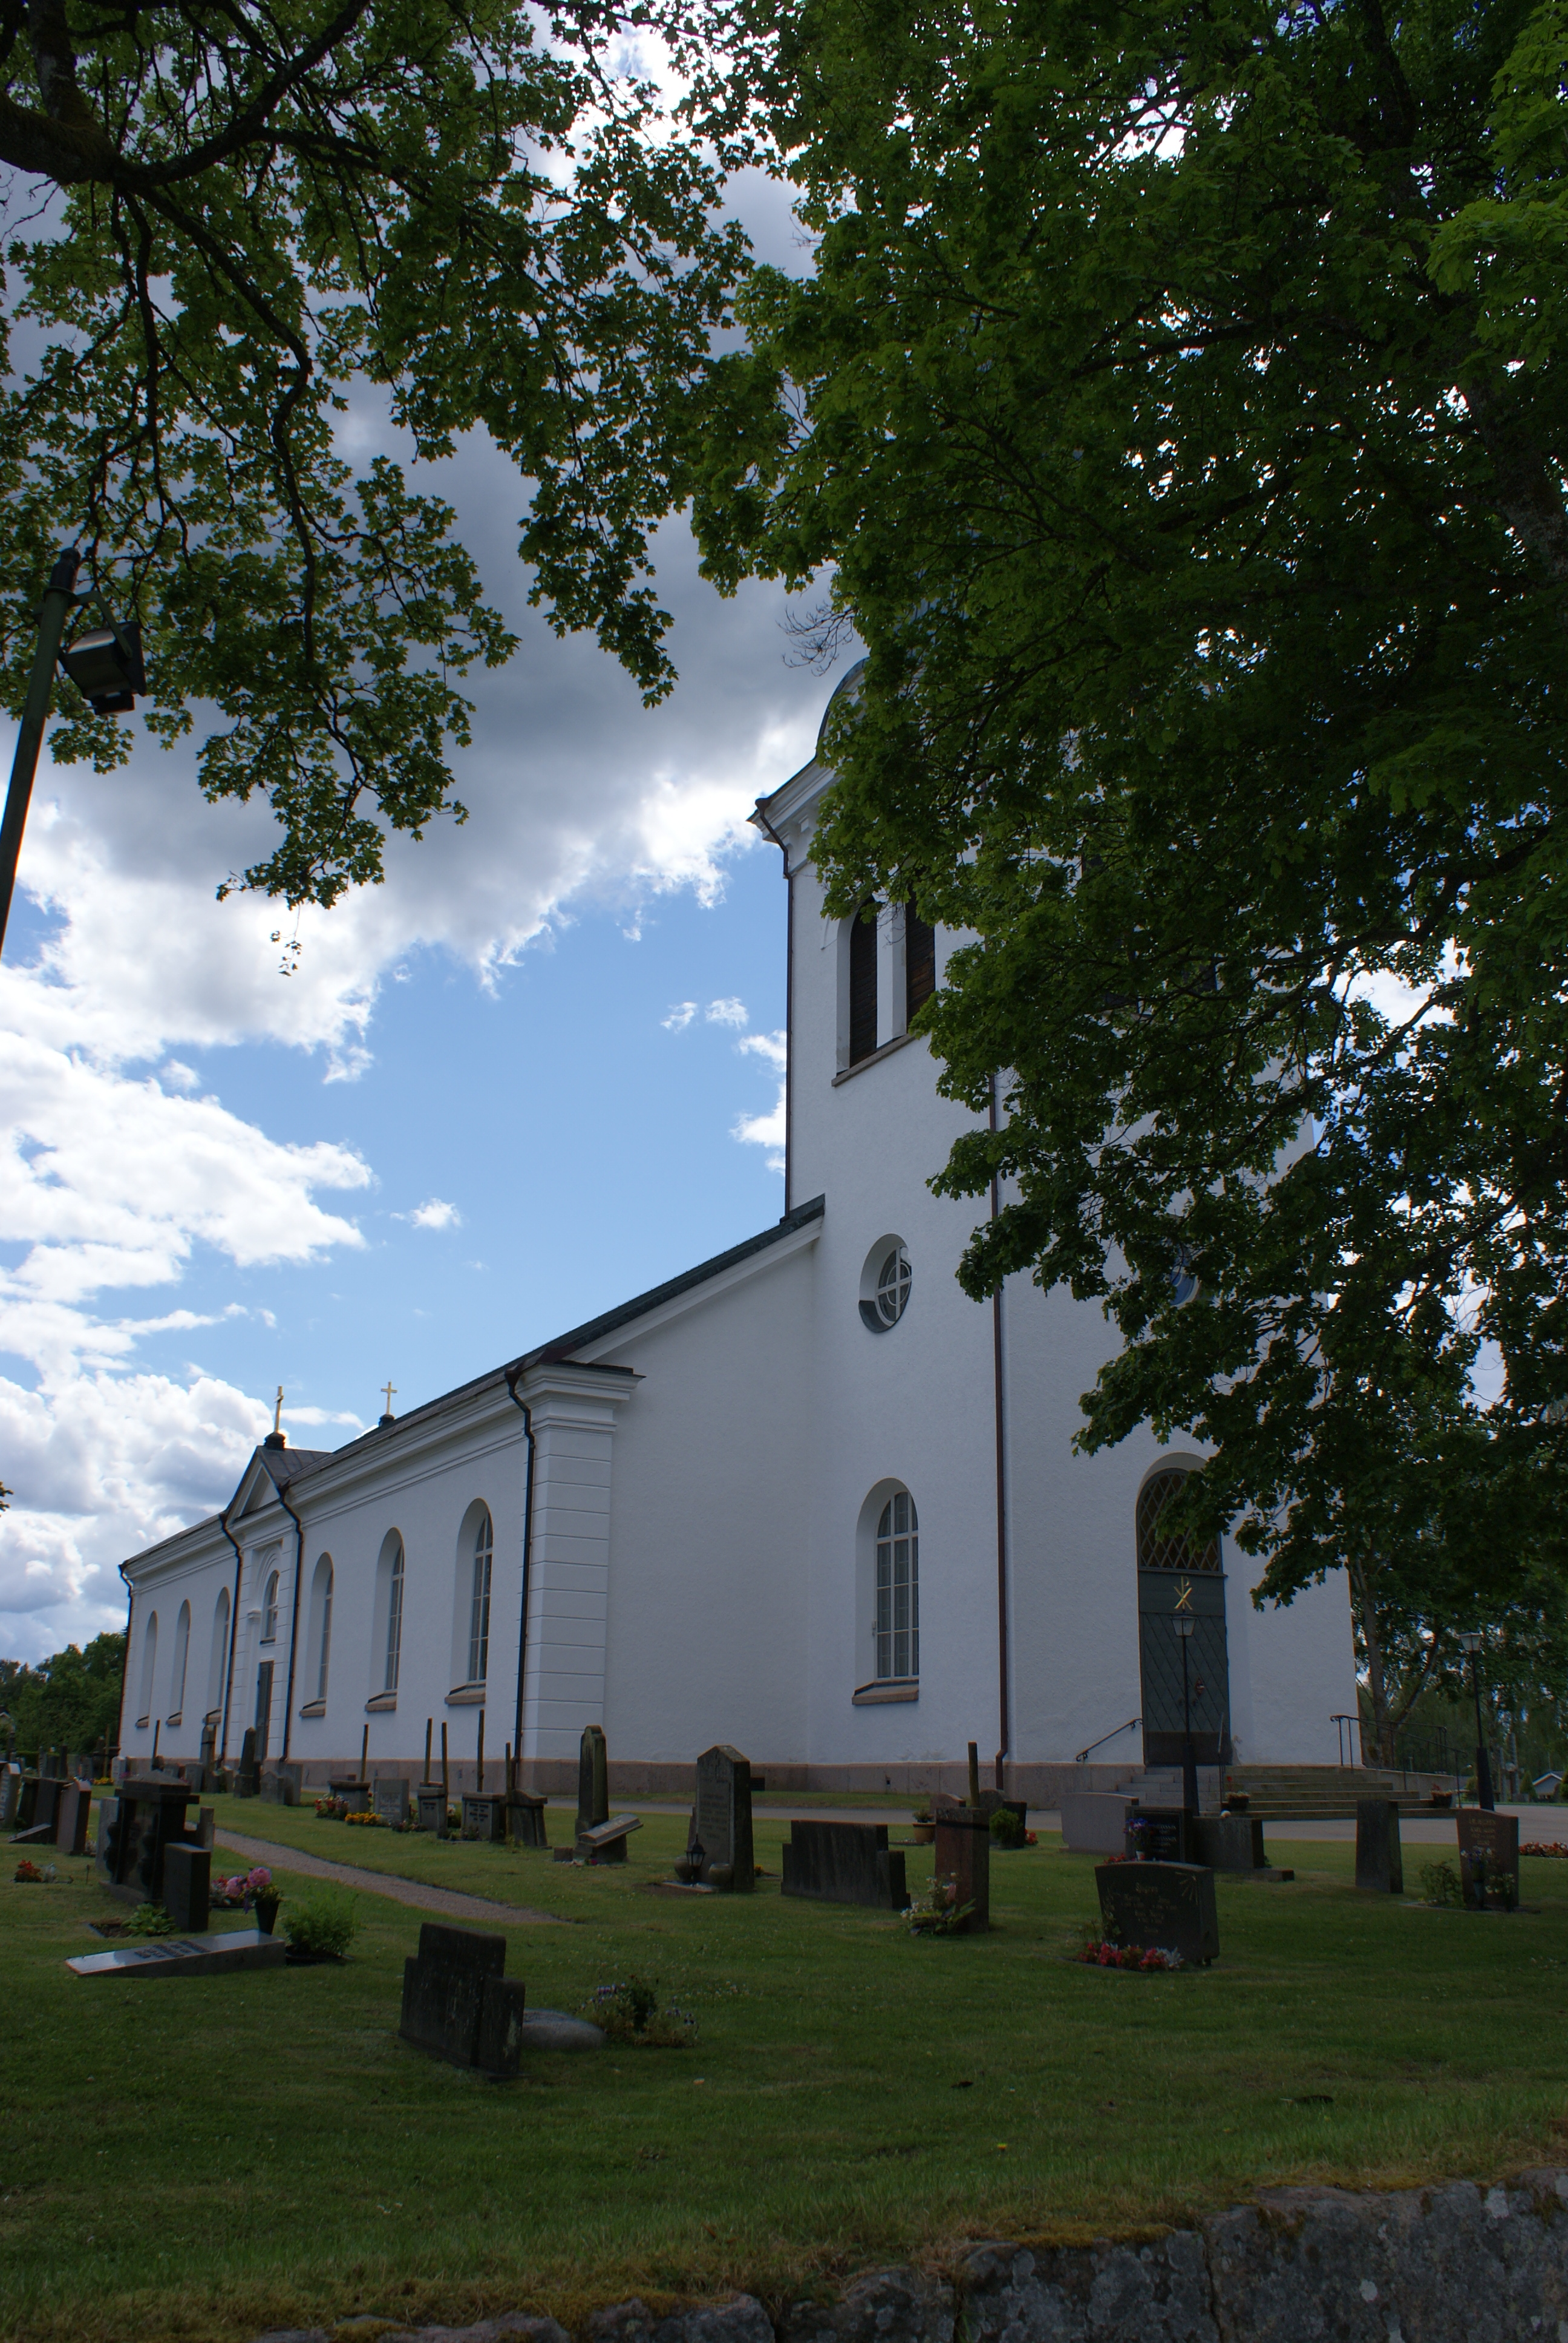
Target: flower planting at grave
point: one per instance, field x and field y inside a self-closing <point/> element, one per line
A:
<point x="25" y="1873"/>
<point x="1099" y="1952"/>
<point x="367" y="1819"/>
<point x="1547" y="1846"/>
<point x="939" y="1912"/>
<point x="332" y="1810"/>
<point x="630" y="2012"/>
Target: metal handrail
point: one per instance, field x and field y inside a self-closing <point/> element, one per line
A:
<point x="1104" y="1737"/>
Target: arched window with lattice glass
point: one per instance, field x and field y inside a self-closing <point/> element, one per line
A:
<point x="898" y="1628"/>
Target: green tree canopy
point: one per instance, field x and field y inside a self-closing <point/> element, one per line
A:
<point x="247" y="217"/>
<point x="1179" y="413"/>
<point x="71" y="1702"/>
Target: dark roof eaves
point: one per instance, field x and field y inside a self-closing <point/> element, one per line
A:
<point x="555" y="1353"/>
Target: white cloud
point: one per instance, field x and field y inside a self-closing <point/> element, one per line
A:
<point x="679" y="1017"/>
<point x="435" y="1214"/>
<point x="767" y="1130"/>
<point x="727" y="1012"/>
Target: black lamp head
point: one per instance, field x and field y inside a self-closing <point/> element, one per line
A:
<point x="105" y="666"/>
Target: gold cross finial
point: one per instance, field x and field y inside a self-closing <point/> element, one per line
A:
<point x="388" y="1387"/>
<point x="277" y="1411"/>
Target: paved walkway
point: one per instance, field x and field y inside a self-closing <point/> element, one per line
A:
<point x="384" y="1883"/>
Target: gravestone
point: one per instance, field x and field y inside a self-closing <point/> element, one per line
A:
<point x="187" y="1889"/>
<point x="39" y="1805"/>
<point x="606" y="1843"/>
<point x="456" y="2003"/>
<point x="355" y="1794"/>
<point x="10" y="1786"/>
<point x="279" y="1786"/>
<point x="1167" y="1904"/>
<point x="392" y="1801"/>
<point x="525" y="1815"/>
<point x="195" y="1955"/>
<point x="1380" y="1863"/>
<point x="432" y="1808"/>
<point x="208" y="1753"/>
<point x="1094" y="1822"/>
<point x="138" y="1828"/>
<point x="845" y="1863"/>
<point x="26" y="1803"/>
<point x="721" y="1819"/>
<point x="1488" y="1859"/>
<point x="72" y="1814"/>
<point x="593" y="1779"/>
<point x="1161" y="1834"/>
<point x="248" y="1781"/>
<point x="1228" y="1841"/>
<point x="484" y="1818"/>
<point x="962" y="1853"/>
<point x="206" y="1827"/>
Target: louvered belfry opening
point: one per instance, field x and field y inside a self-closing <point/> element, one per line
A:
<point x="862" y="985"/>
<point x="920" y="962"/>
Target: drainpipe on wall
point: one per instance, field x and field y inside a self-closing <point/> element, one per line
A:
<point x="788" y="1008"/>
<point x="294" y="1622"/>
<point x="233" y="1633"/>
<point x="528" y="1559"/>
<point x="126" y="1669"/>
<point x="1003" y="1637"/>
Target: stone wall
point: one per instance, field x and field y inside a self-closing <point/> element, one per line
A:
<point x="1447" y="2264"/>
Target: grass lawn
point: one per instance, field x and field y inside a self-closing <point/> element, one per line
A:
<point x="203" y="2159"/>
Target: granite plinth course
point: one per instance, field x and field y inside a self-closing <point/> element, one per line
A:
<point x="1450" y="2263"/>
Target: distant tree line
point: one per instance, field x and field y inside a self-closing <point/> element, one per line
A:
<point x="71" y="1701"/>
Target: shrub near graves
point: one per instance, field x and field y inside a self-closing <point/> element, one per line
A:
<point x="630" y="2012"/>
<point x="322" y="1923"/>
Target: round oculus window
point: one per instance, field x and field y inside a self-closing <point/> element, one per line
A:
<point x="885" y="1283"/>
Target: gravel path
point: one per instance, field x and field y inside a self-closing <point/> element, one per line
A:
<point x="382" y="1883"/>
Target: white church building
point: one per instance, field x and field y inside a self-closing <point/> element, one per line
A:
<point x="808" y="1498"/>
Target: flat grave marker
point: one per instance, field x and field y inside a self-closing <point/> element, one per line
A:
<point x="1167" y="1904"/>
<point x="197" y="1955"/>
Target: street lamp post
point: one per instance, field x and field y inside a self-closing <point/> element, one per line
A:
<point x="1184" y="1624"/>
<point x="1471" y="1642"/>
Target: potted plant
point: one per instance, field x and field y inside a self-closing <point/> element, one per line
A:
<point x="263" y="1898"/>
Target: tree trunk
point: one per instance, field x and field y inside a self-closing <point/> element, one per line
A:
<point x="1365" y="1609"/>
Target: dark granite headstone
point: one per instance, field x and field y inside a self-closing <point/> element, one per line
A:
<point x="1167" y="1904"/>
<point x="187" y="1889"/>
<point x="1161" y="1834"/>
<point x="962" y="1852"/>
<point x="355" y="1794"/>
<point x="606" y="1843"/>
<point x="432" y="1808"/>
<point x="147" y="1818"/>
<point x="206" y="1827"/>
<point x="845" y="1863"/>
<point x="208" y="1753"/>
<point x="1489" y="1858"/>
<point x="456" y="2003"/>
<point x="45" y="1803"/>
<point x="248" y="1781"/>
<point x="486" y="1817"/>
<point x="72" y="1814"/>
<point x="593" y="1779"/>
<point x="391" y="1799"/>
<point x="526" y="1815"/>
<point x="1380" y="1863"/>
<point x="26" y="1804"/>
<point x="721" y="1819"/>
<point x="1228" y="1841"/>
<point x="10" y="1790"/>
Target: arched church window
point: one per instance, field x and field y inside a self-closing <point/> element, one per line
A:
<point x="269" y="1611"/>
<point x="219" y="1654"/>
<point x="479" y="1605"/>
<point x="322" y="1606"/>
<point x="1161" y="1544"/>
<point x="149" y="1663"/>
<point x="898" y="1629"/>
<point x="394" y="1619"/>
<point x="920" y="962"/>
<point x="182" y="1661"/>
<point x="862" y="984"/>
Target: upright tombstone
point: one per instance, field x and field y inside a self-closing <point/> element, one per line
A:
<point x="456" y="2003"/>
<point x="526" y="1818"/>
<point x="962" y="1853"/>
<point x="1164" y="1906"/>
<point x="206" y="1827"/>
<point x="845" y="1863"/>
<point x="187" y="1889"/>
<point x="391" y="1800"/>
<point x="247" y="1782"/>
<point x="1379" y="1860"/>
<point x="72" y="1814"/>
<point x="484" y="1817"/>
<point x="593" y="1779"/>
<point x="1489" y="1859"/>
<point x="432" y="1808"/>
<point x="208" y="1754"/>
<point x="39" y="1804"/>
<point x="721" y="1820"/>
<point x="1161" y="1834"/>
<point x="138" y="1828"/>
<point x="354" y="1792"/>
<point x="10" y="1785"/>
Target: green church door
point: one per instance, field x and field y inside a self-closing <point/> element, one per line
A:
<point x="1177" y="1580"/>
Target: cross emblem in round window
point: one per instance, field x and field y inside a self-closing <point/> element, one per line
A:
<point x="894" y="1280"/>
